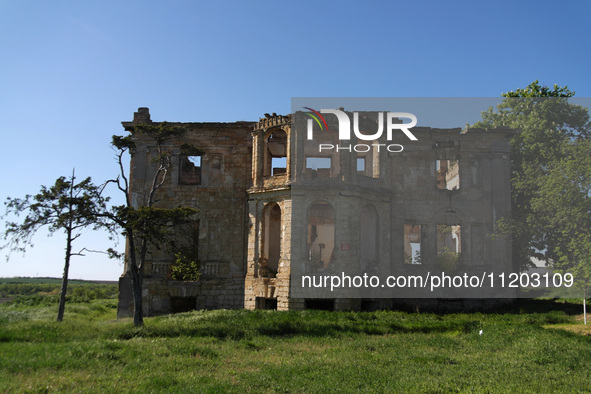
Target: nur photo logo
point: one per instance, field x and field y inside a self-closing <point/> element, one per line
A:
<point x="393" y="122"/>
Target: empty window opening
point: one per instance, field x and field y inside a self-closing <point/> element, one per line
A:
<point x="412" y="244"/>
<point x="368" y="161"/>
<point x="190" y="170"/>
<point x="316" y="163"/>
<point x="361" y="165"/>
<point x="266" y="303"/>
<point x="186" y="237"/>
<point x="449" y="246"/>
<point x="271" y="241"/>
<point x="278" y="165"/>
<point x="319" y="304"/>
<point x="319" y="166"/>
<point x="321" y="235"/>
<point x="186" y="265"/>
<point x="448" y="174"/>
<point x="276" y="153"/>
<point x="183" y="304"/>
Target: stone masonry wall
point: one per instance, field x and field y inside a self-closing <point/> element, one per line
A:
<point x="220" y="198"/>
<point x="236" y="192"/>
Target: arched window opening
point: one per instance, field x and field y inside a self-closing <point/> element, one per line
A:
<point x="321" y="235"/>
<point x="271" y="240"/>
<point x="276" y="153"/>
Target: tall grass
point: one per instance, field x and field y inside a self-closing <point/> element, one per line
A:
<point x="309" y="351"/>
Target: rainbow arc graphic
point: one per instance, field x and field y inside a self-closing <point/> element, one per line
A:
<point x="316" y="115"/>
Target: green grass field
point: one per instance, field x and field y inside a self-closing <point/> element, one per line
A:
<point x="310" y="351"/>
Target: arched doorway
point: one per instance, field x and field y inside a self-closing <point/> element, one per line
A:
<point x="272" y="237"/>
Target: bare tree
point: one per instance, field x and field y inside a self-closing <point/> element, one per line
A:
<point x="143" y="223"/>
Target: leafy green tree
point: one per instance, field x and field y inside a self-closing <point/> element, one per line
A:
<point x="67" y="206"/>
<point x="143" y="223"/>
<point x="563" y="203"/>
<point x="550" y="176"/>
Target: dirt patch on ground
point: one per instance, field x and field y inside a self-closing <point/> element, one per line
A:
<point x="578" y="328"/>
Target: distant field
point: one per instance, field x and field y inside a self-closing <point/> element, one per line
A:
<point x="525" y="349"/>
<point x="33" y="291"/>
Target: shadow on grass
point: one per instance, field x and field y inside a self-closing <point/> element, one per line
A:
<point x="521" y="306"/>
<point x="242" y="324"/>
<point x="517" y="306"/>
<point x="83" y="325"/>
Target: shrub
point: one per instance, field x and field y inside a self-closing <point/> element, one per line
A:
<point x="185" y="268"/>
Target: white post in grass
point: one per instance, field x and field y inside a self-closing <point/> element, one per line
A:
<point x="585" y="305"/>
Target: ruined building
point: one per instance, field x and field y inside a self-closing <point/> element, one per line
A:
<point x="271" y="204"/>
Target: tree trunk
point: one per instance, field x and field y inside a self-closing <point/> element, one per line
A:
<point x="64" y="289"/>
<point x="62" y="304"/>
<point x="136" y="281"/>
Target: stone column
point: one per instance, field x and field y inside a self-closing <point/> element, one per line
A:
<point x="287" y="130"/>
<point x="257" y="158"/>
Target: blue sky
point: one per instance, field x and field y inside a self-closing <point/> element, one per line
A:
<point x="72" y="71"/>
